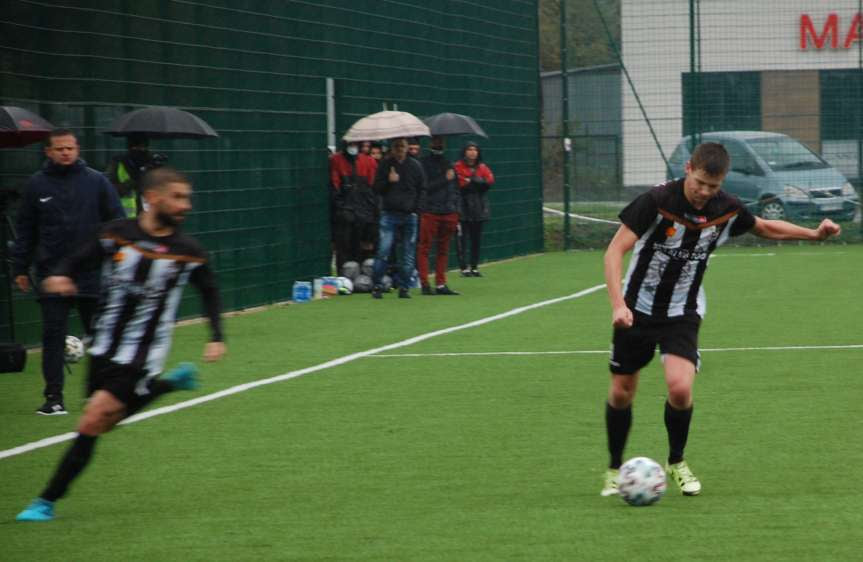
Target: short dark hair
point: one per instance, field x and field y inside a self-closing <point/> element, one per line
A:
<point x="160" y="177"/>
<point x="59" y="133"/>
<point x="710" y="157"/>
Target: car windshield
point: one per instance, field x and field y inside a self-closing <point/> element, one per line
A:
<point x="783" y="153"/>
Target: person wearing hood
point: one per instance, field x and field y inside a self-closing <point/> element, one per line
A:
<point x="353" y="204"/>
<point x="63" y="205"/>
<point x="474" y="180"/>
<point x="126" y="170"/>
<point x="438" y="218"/>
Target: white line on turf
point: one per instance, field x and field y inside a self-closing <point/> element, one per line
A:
<point x="605" y="351"/>
<point x="300" y="372"/>
<point x="579" y="217"/>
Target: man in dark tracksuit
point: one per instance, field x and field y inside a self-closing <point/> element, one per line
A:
<point x="400" y="181"/>
<point x="63" y="205"/>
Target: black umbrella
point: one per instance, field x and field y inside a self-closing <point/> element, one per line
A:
<point x="161" y="123"/>
<point x="20" y="127"/>
<point x="453" y="124"/>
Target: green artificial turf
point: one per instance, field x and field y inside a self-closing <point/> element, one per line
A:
<point x="474" y="457"/>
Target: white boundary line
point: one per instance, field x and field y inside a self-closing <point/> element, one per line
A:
<point x="579" y="217"/>
<point x="300" y="372"/>
<point x="605" y="351"/>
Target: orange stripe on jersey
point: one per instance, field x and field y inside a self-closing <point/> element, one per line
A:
<point x="154" y="255"/>
<point x="692" y="226"/>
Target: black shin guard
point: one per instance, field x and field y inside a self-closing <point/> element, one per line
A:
<point x="677" y="425"/>
<point x="76" y="458"/>
<point x="617" y="424"/>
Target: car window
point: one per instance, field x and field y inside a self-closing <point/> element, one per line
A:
<point x="741" y="160"/>
<point x="785" y="153"/>
<point x="680" y="155"/>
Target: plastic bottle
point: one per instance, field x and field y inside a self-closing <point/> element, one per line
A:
<point x="302" y="291"/>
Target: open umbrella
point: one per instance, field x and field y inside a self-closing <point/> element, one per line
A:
<point x="20" y="127"/>
<point x="453" y="124"/>
<point x="386" y="125"/>
<point x="161" y="123"/>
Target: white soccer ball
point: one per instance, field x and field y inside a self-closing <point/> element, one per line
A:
<point x="641" y="481"/>
<point x="368" y="267"/>
<point x="362" y="284"/>
<point x="350" y="269"/>
<point x="346" y="286"/>
<point x="73" y="350"/>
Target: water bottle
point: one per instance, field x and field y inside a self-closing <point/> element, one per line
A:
<point x="302" y="291"/>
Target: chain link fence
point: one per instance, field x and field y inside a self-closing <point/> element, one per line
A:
<point x="779" y="83"/>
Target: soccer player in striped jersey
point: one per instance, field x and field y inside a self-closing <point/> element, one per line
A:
<point x="146" y="262"/>
<point x="672" y="230"/>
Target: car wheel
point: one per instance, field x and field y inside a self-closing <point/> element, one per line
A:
<point x="772" y="209"/>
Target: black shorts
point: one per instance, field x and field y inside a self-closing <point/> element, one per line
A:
<point x="633" y="348"/>
<point x="125" y="382"/>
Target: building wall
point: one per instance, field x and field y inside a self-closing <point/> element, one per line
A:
<point x="736" y="35"/>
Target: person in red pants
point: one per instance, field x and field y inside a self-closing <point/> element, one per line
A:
<point x="438" y="216"/>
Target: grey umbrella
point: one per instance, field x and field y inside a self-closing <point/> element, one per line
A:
<point x="453" y="124"/>
<point x="161" y="123"/>
<point x="20" y="127"/>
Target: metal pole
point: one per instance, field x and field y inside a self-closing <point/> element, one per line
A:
<point x="694" y="81"/>
<point x="857" y="105"/>
<point x="567" y="143"/>
<point x="331" y="115"/>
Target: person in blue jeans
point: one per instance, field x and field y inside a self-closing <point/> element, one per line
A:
<point x="400" y="181"/>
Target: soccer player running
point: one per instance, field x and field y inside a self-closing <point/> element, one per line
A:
<point x="672" y="230"/>
<point x="146" y="262"/>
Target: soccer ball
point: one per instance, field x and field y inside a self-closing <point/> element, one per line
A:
<point x="362" y="284"/>
<point x="368" y="267"/>
<point x="346" y="286"/>
<point x="73" y="350"/>
<point x="641" y="481"/>
<point x="350" y="269"/>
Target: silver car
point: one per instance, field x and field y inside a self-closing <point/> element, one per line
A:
<point x="777" y="176"/>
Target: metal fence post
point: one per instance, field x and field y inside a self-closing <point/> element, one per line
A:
<point x="567" y="146"/>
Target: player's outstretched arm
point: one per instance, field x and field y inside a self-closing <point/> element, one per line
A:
<point x="624" y="240"/>
<point x="783" y="230"/>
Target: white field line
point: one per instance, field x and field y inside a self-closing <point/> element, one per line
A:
<point x="579" y="217"/>
<point x="300" y="372"/>
<point x="605" y="351"/>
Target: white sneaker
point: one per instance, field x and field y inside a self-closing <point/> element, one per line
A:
<point x="609" y="486"/>
<point x="686" y="481"/>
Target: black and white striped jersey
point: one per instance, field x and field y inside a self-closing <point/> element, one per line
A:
<point x="142" y="282"/>
<point x="675" y="242"/>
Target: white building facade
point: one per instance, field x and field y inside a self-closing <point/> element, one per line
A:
<point x="788" y="66"/>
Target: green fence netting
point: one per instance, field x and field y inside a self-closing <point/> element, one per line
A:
<point x="256" y="72"/>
